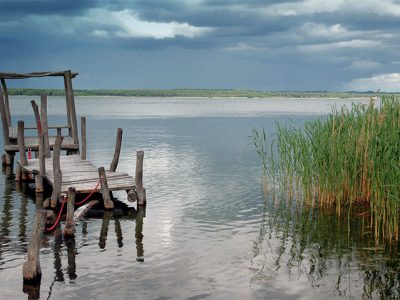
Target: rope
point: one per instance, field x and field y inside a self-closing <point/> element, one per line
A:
<point x="62" y="207"/>
<point x="88" y="196"/>
<point x="58" y="217"/>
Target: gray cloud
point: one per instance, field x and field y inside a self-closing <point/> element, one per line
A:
<point x="290" y="45"/>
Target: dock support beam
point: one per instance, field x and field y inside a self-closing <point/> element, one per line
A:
<point x="69" y="229"/>
<point x="108" y="204"/>
<point x="117" y="151"/>
<point x="31" y="269"/>
<point x="140" y="191"/>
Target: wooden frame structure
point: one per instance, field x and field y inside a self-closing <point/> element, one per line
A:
<point x="70" y="141"/>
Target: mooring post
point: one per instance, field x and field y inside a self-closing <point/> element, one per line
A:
<point x="57" y="171"/>
<point x="31" y="269"/>
<point x="42" y="168"/>
<point x="117" y="150"/>
<point x="83" y="138"/>
<point x="44" y="123"/>
<point x="108" y="204"/>
<point x="140" y="191"/>
<point x="69" y="229"/>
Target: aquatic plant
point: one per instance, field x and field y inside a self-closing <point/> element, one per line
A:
<point x="351" y="157"/>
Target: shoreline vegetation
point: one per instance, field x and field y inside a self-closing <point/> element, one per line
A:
<point x="349" y="160"/>
<point x="210" y="93"/>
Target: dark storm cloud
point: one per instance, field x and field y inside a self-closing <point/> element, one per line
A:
<point x="308" y="44"/>
<point x="44" y="7"/>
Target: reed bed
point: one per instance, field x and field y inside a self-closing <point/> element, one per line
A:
<point x="351" y="158"/>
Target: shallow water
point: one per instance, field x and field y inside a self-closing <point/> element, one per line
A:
<point x="210" y="228"/>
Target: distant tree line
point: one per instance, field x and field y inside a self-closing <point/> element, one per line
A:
<point x="191" y="93"/>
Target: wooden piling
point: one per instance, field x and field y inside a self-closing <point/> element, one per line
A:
<point x="108" y="204"/>
<point x="44" y="123"/>
<point x="21" y="143"/>
<point x="117" y="150"/>
<point x="69" y="229"/>
<point x="140" y="191"/>
<point x="31" y="269"/>
<point x="57" y="171"/>
<point x="18" y="173"/>
<point x="4" y="111"/>
<point x="6" y="100"/>
<point x="42" y="167"/>
<point x="69" y="93"/>
<point x="37" y="116"/>
<point x="83" y="138"/>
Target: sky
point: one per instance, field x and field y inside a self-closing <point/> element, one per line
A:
<point x="306" y="45"/>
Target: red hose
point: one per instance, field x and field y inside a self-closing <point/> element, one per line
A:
<point x="58" y="217"/>
<point x="88" y="196"/>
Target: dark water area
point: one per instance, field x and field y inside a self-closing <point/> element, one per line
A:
<point x="212" y="229"/>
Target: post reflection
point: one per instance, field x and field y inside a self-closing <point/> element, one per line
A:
<point x="139" y="234"/>
<point x="71" y="251"/>
<point x="104" y="229"/>
<point x="118" y="232"/>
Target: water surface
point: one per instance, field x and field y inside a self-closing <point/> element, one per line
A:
<point x="210" y="230"/>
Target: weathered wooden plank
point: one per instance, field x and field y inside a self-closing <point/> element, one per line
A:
<point x="33" y="143"/>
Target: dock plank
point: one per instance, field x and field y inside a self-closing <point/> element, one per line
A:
<point x="81" y="174"/>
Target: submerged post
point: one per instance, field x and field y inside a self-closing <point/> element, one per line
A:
<point x="69" y="229"/>
<point x="31" y="269"/>
<point x="108" y="204"/>
<point x="140" y="191"/>
<point x="117" y="151"/>
<point x="83" y="138"/>
<point x="57" y="171"/>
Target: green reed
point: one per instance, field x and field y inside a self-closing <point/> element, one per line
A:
<point x="350" y="158"/>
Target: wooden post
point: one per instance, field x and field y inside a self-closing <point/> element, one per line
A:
<point x="117" y="150"/>
<point x="69" y="93"/>
<point x="83" y="138"/>
<point x="42" y="168"/>
<point x="6" y="100"/>
<point x="108" y="204"/>
<point x="31" y="269"/>
<point x="140" y="191"/>
<point x="69" y="229"/>
<point x="18" y="173"/>
<point x="57" y="171"/>
<point x="44" y="123"/>
<point x="37" y="116"/>
<point x="21" y="143"/>
<point x="6" y="126"/>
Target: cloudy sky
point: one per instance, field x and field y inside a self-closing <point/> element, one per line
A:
<point x="301" y="45"/>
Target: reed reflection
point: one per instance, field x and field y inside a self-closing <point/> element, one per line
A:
<point x="318" y="245"/>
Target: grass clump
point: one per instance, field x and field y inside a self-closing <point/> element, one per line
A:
<point x="350" y="158"/>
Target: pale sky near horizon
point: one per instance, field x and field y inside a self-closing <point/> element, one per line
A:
<point x="335" y="45"/>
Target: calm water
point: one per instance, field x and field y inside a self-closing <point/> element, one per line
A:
<point x="211" y="229"/>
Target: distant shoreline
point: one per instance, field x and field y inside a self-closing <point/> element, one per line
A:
<point x="208" y="93"/>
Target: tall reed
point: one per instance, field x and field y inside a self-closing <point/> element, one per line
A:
<point x="352" y="157"/>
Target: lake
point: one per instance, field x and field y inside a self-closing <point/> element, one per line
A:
<point x="211" y="229"/>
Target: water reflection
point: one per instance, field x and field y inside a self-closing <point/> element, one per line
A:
<point x="316" y="246"/>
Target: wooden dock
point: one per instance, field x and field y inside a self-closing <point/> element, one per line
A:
<point x="81" y="174"/>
